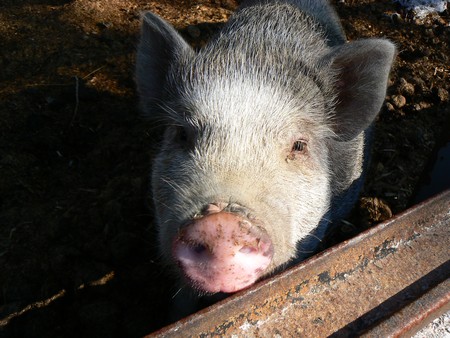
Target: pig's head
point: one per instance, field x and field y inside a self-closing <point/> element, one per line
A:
<point x="243" y="173"/>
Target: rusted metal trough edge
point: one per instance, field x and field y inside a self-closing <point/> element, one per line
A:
<point x="410" y="319"/>
<point x="387" y="281"/>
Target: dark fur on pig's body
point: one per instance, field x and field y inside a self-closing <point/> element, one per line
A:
<point x="270" y="120"/>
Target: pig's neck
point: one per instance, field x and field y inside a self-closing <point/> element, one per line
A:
<point x="349" y="161"/>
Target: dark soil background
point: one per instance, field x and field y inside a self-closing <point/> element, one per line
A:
<point x="77" y="254"/>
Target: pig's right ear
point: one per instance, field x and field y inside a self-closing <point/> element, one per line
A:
<point x="160" y="45"/>
<point x="361" y="70"/>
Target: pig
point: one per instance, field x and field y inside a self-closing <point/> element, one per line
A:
<point x="267" y="133"/>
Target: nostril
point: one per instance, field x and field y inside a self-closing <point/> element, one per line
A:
<point x="199" y="248"/>
<point x="189" y="253"/>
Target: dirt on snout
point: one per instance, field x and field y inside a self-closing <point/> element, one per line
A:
<point x="78" y="255"/>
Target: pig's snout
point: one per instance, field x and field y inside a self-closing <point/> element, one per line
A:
<point x="222" y="252"/>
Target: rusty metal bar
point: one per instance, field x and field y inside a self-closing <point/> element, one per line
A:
<point x="386" y="281"/>
<point x="410" y="319"/>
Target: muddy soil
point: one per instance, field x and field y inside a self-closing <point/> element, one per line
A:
<point x="77" y="249"/>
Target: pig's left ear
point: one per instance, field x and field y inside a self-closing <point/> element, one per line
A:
<point x="362" y="69"/>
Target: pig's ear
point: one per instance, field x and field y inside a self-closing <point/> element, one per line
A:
<point x="159" y="46"/>
<point x="362" y="69"/>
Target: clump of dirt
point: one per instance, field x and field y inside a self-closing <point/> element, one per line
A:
<point x="77" y="249"/>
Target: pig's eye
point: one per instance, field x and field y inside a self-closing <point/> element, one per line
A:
<point x="181" y="135"/>
<point x="178" y="136"/>
<point x="299" y="146"/>
<point x="298" y="149"/>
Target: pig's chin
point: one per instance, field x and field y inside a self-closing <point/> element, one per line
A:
<point x="225" y="284"/>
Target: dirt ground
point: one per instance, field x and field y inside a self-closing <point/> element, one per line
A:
<point x="77" y="254"/>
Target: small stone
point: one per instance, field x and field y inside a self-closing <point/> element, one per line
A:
<point x="420" y="84"/>
<point x="377" y="209"/>
<point x="442" y="94"/>
<point x="406" y="88"/>
<point x="417" y="107"/>
<point x="390" y="107"/>
<point x="398" y="101"/>
<point x="424" y="105"/>
<point x="396" y="18"/>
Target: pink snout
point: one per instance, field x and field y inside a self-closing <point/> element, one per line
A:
<point x="222" y="252"/>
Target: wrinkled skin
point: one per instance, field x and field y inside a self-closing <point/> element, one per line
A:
<point x="268" y="126"/>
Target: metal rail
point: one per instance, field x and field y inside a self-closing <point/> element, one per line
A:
<point x="387" y="281"/>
